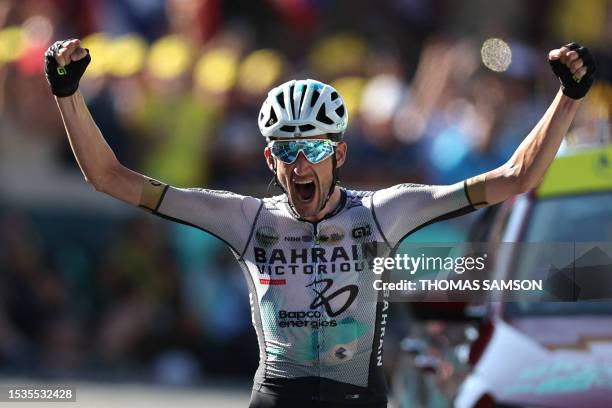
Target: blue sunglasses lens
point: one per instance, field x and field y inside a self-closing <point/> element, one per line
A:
<point x="315" y="150"/>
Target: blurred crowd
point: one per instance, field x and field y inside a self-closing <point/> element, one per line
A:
<point x="88" y="286"/>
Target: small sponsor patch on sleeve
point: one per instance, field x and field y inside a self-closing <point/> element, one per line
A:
<point x="152" y="194"/>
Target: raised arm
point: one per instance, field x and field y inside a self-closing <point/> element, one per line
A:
<point x="65" y="62"/>
<point x="228" y="216"/>
<point x="97" y="161"/>
<point x="574" y="67"/>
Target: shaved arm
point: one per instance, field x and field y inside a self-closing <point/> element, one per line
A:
<point x="531" y="159"/>
<point x="94" y="156"/>
<point x="96" y="159"/>
<point x="228" y="216"/>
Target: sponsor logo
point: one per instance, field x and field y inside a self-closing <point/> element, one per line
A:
<point x="312" y="318"/>
<point x="264" y="281"/>
<point x="266" y="236"/>
<point x="298" y="235"/>
<point x="316" y="260"/>
<point x="324" y="300"/>
<point x="383" y="327"/>
<point x="343" y="352"/>
<point x="283" y="314"/>
<point x="361" y="232"/>
<point x="330" y="234"/>
<point x="300" y="318"/>
<point x="303" y="238"/>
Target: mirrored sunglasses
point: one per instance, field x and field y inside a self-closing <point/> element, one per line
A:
<point x="315" y="150"/>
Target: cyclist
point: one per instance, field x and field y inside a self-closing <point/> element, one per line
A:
<point x="306" y="254"/>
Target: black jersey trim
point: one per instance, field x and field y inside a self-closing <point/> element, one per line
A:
<point x="376" y="377"/>
<point x="382" y="234"/>
<point x="447" y="216"/>
<point x="320" y="389"/>
<point x="257" y="323"/>
<point x="178" y="220"/>
<point x="161" y="198"/>
<point x="252" y="230"/>
<point x="473" y="204"/>
<point x="465" y="191"/>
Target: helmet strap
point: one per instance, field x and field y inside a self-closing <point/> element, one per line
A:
<point x="275" y="179"/>
<point x="335" y="180"/>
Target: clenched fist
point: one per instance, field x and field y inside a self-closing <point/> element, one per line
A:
<point x="575" y="67"/>
<point x="65" y="63"/>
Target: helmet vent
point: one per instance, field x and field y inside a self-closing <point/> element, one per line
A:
<point x="340" y="110"/>
<point x="302" y="108"/>
<point x="301" y="100"/>
<point x="322" y="117"/>
<point x="291" y="89"/>
<point x="315" y="97"/>
<point x="273" y="119"/>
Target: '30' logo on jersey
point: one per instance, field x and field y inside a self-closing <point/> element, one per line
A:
<point x="323" y="299"/>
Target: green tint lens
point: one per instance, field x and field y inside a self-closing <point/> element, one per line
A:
<point x="315" y="150"/>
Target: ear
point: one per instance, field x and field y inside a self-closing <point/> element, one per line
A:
<point x="341" y="153"/>
<point x="269" y="159"/>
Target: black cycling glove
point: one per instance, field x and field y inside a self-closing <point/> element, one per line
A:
<point x="64" y="81"/>
<point x="571" y="87"/>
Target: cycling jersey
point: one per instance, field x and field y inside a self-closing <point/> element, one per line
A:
<point x="317" y="316"/>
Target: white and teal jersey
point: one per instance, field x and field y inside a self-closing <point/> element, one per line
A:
<point x="314" y="307"/>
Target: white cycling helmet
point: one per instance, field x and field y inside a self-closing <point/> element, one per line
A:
<point x="302" y="108"/>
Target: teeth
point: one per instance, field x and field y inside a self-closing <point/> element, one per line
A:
<point x="301" y="182"/>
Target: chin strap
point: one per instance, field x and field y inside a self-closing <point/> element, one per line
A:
<point x="335" y="180"/>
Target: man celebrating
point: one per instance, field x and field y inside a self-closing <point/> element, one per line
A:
<point x="306" y="254"/>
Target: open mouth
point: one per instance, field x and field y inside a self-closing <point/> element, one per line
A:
<point x="305" y="190"/>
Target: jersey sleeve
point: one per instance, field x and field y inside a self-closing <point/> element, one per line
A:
<point x="404" y="208"/>
<point x="228" y="216"/>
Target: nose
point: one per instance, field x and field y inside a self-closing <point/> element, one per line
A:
<point x="301" y="164"/>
